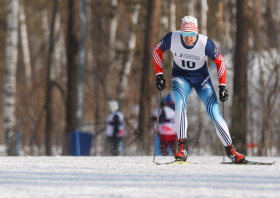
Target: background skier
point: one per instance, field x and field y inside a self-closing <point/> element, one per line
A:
<point x="166" y="128"/>
<point x="115" y="128"/>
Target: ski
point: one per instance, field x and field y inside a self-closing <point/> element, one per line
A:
<point x="248" y="163"/>
<point x="174" y="162"/>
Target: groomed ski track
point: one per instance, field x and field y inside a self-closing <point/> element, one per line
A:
<point x="135" y="177"/>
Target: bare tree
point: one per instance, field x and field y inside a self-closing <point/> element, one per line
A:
<point x="113" y="29"/>
<point x="111" y="48"/>
<point x="131" y="43"/>
<point x="10" y="77"/>
<point x="239" y="107"/>
<point x="147" y="81"/>
<point x="48" y="103"/>
<point x="172" y="15"/>
<point x="72" y="67"/>
<point x="27" y="68"/>
<point x="266" y="61"/>
<point x="25" y="46"/>
<point x="203" y="30"/>
<point x="59" y="55"/>
<point x="204" y="9"/>
<point x="192" y="8"/>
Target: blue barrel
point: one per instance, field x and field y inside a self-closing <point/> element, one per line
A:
<point x="81" y="143"/>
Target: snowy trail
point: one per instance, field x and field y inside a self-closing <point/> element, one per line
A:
<point x="135" y="177"/>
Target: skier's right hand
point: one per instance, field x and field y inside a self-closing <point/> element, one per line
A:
<point x="160" y="82"/>
<point x="223" y="93"/>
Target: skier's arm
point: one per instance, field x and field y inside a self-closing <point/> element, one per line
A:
<point x="212" y="51"/>
<point x="162" y="46"/>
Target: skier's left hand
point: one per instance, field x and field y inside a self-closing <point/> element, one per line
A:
<point x="223" y="93"/>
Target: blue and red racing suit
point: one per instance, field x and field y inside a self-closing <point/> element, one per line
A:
<point x="190" y="70"/>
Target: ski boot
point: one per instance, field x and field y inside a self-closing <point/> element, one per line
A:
<point x="233" y="155"/>
<point x="182" y="154"/>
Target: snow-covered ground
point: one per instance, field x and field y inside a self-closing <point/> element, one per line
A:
<point x="135" y="177"/>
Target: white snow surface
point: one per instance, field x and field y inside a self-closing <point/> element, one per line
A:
<point x="135" y="177"/>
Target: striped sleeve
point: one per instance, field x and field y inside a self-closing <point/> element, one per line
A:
<point x="221" y="69"/>
<point x="212" y="51"/>
<point x="162" y="46"/>
<point x="157" y="54"/>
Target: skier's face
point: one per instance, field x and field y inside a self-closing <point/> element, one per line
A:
<point x="189" y="40"/>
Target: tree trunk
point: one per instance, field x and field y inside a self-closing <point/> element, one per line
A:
<point x="27" y="67"/>
<point x="9" y="100"/>
<point x="192" y="8"/>
<point x="45" y="26"/>
<point x="200" y="125"/>
<point x="204" y="9"/>
<point x="172" y="24"/>
<point x="257" y="23"/>
<point x="111" y="50"/>
<point x="148" y="78"/>
<point x="59" y="56"/>
<point x="72" y="68"/>
<point x="128" y="63"/>
<point x="48" y="104"/>
<point x="239" y="108"/>
<point x="266" y="127"/>
<point x="25" y="46"/>
<point x="203" y="30"/>
<point x="113" y="29"/>
<point x="97" y="83"/>
<point x="172" y="15"/>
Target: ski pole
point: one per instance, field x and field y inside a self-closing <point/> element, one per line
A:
<point x="156" y="132"/>
<point x="224" y="118"/>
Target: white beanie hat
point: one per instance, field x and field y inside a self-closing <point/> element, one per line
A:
<point x="113" y="106"/>
<point x="189" y="24"/>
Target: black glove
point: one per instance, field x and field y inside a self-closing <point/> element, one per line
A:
<point x="223" y="93"/>
<point x="160" y="82"/>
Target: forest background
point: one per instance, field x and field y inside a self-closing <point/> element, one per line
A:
<point x="39" y="53"/>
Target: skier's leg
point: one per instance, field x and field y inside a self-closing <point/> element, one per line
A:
<point x="206" y="93"/>
<point x="115" y="148"/>
<point x="110" y="144"/>
<point x="181" y="89"/>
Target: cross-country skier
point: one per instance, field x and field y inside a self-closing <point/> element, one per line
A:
<point x="166" y="128"/>
<point x="190" y="70"/>
<point x="115" y="128"/>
